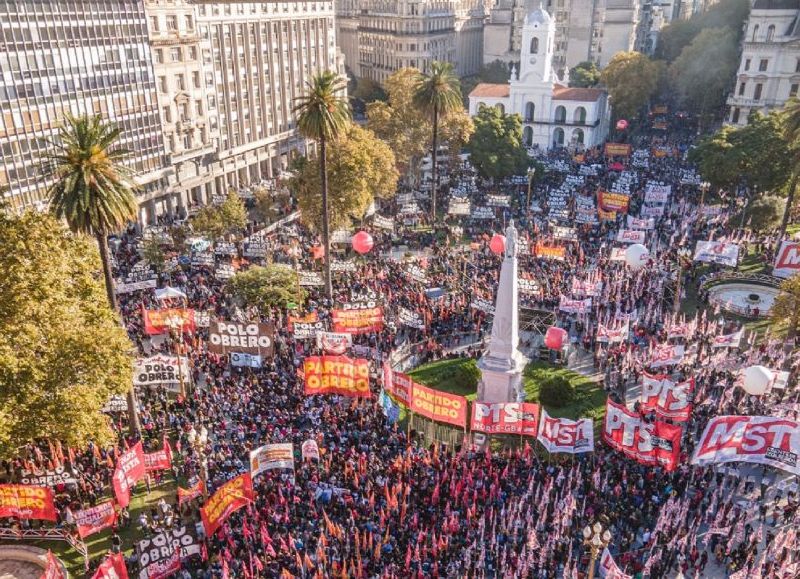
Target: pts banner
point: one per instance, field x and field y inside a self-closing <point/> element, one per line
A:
<point x="656" y="444"/>
<point x="505" y="418"/>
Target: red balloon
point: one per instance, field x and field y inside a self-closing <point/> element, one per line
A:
<point x="498" y="244"/>
<point x="555" y="337"/>
<point x="622" y="124"/>
<point x="362" y="242"/>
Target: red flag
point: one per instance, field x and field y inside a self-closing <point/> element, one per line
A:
<point x="112" y="568"/>
<point x="53" y="570"/>
<point x="130" y="469"/>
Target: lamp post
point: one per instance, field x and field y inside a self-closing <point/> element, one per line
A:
<point x="531" y="175"/>
<point x="596" y="538"/>
<point x="683" y="260"/>
<point x="176" y="323"/>
<point x="704" y="187"/>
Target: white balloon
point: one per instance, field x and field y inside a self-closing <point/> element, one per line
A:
<point x="757" y="379"/>
<point x="636" y="255"/>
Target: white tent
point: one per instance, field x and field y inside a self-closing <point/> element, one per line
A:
<point x="169" y="293"/>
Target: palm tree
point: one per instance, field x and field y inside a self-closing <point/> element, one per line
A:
<point x="791" y="132"/>
<point x="322" y="115"/>
<point x="94" y="193"/>
<point x="437" y="94"/>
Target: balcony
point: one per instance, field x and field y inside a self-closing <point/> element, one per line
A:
<point x="563" y="122"/>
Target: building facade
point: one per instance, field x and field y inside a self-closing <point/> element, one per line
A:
<point x="553" y="115"/>
<point x="75" y="57"/>
<point x="585" y="30"/>
<point x="379" y="37"/>
<point x="769" y="70"/>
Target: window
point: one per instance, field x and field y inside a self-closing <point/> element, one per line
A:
<point x="770" y="33"/>
<point x="180" y="81"/>
<point x="530" y="109"/>
<point x="762" y="65"/>
<point x="159" y="55"/>
<point x="154" y="23"/>
<point x="176" y="54"/>
<point x="196" y="79"/>
<point x="162" y="84"/>
<point x="561" y="115"/>
<point x="189" y="22"/>
<point x="742" y="87"/>
<point x="167" y="114"/>
<point x="172" y="22"/>
<point x="534" y="45"/>
<point x="192" y="53"/>
<point x="580" y="116"/>
<point x="755" y="33"/>
<point x="797" y="65"/>
<point x="735" y="116"/>
<point x="747" y="64"/>
<point x="793" y="90"/>
<point x="757" y="92"/>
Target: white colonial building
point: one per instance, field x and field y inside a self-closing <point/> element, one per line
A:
<point x="552" y="113"/>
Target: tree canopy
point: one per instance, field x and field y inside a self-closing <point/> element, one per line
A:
<point x="785" y="312"/>
<point x="361" y="167"/>
<point x="679" y="33"/>
<point x="408" y="130"/>
<point x="267" y="287"/>
<point x="631" y="78"/>
<point x="496" y="148"/>
<point x="214" y="221"/>
<point x="62" y="350"/>
<point x="584" y="74"/>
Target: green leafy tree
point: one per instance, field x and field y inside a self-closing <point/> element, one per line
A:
<point x="785" y="312"/>
<point x="790" y="120"/>
<point x="63" y="352"/>
<point x="271" y="286"/>
<point x="214" y="221"/>
<point x="718" y="158"/>
<point x="361" y="167"/>
<point x="368" y="90"/>
<point x="437" y="94"/>
<point x="496" y="148"/>
<point x="408" y="130"/>
<point x="153" y="253"/>
<point x="702" y="73"/>
<point x="679" y="34"/>
<point x="763" y="213"/>
<point x="631" y="78"/>
<point x="323" y="115"/>
<point x="264" y="205"/>
<point x="93" y="192"/>
<point x="584" y="74"/>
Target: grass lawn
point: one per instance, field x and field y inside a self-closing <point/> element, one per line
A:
<point x="100" y="543"/>
<point x="590" y="400"/>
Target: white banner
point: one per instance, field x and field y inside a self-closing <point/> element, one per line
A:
<point x="498" y="200"/>
<point x="483" y="305"/>
<point x="410" y="318"/>
<point x="787" y="260"/>
<point x="631" y="236"/>
<point x="666" y="355"/>
<point x="125" y="288"/>
<point x="608" y="335"/>
<point x="270" y="457"/>
<point x="717" y="252"/>
<point x="566" y="233"/>
<point x="756" y="439"/>
<point x="528" y="286"/>
<point x="609" y="569"/>
<point x="728" y="340"/>
<point x="310" y="449"/>
<point x="334" y="342"/>
<point x="459" y="207"/>
<point x="310" y="278"/>
<point x="644" y="224"/>
<point x="242" y="360"/>
<point x="564" y="435"/>
<point x="382" y="222"/>
<point x="575" y="306"/>
<point x="160" y="370"/>
<point x="482" y="213"/>
<point x="617" y="254"/>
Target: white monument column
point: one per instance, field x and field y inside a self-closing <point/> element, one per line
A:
<point x="502" y="364"/>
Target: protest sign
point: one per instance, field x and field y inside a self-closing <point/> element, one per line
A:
<point x="336" y="375"/>
<point x="95" y="519"/>
<point x="617" y="149"/>
<point x="410" y="318"/>
<point x="229" y="498"/>
<point x="631" y="236"/>
<point x="583" y="306"/>
<point x="129" y="470"/>
<point x="160" y="369"/>
<point x="112" y="568"/>
<point x="717" y="252"/>
<point x="550" y="252"/>
<point x="505" y="418"/>
<point x="248" y="338"/>
<point x="310" y="278"/>
<point x="438" y="405"/>
<point x="565" y="435"/>
<point x="198" y="489"/>
<point x="787" y="260"/>
<point x="310" y="449"/>
<point x="655" y="444"/>
<point x="162" y="321"/>
<point x="357" y="321"/>
<point x="666" y="355"/>
<point x="27" y="502"/>
<point x="334" y="342"/>
<point x="271" y="457"/>
<point x="49" y="478"/>
<point x="667" y="399"/>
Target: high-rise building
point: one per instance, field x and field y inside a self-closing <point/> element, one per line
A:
<point x="78" y="57"/>
<point x="379" y="37"/>
<point x="769" y="71"/>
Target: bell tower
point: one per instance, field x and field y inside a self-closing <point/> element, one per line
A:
<point x="536" y="52"/>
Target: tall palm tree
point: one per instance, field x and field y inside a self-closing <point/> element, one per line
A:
<point x="437" y="94"/>
<point x="322" y="115"/>
<point x="791" y="132"/>
<point x="94" y="193"/>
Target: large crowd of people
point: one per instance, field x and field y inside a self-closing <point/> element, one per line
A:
<point x="385" y="501"/>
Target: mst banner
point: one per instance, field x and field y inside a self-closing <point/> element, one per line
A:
<point x="717" y="252"/>
<point x="565" y="435"/>
<point x="672" y="400"/>
<point x="438" y="405"/>
<point x="758" y="439"/>
<point x="130" y="469"/>
<point x="271" y="457"/>
<point x="160" y="370"/>
<point x="94" y="520"/>
<point x="161" y="321"/>
<point x="246" y="338"/>
<point x="505" y="418"/>
<point x="27" y="502"/>
<point x="787" y="260"/>
<point x="652" y="444"/>
<point x="357" y="321"/>
<point x="336" y="375"/>
<point x="228" y="499"/>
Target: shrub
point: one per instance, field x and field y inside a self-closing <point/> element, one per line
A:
<point x="557" y="392"/>
<point x="466" y="376"/>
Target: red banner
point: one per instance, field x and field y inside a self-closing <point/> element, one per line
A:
<point x="357" y="321"/>
<point x="160" y="459"/>
<point x="94" y="520"/>
<point x="228" y="499"/>
<point x="397" y="384"/>
<point x="438" y="405"/>
<point x="565" y="435"/>
<point x="505" y="418"/>
<point x="161" y="321"/>
<point x="666" y="398"/>
<point x="130" y="469"/>
<point x="112" y="568"/>
<point x="163" y="568"/>
<point x="27" y="502"/>
<point x="550" y="252"/>
<point x="194" y="491"/>
<point x="309" y="318"/>
<point x="755" y="439"/>
<point x="53" y="570"/>
<point x="336" y="375"/>
<point x="613" y="201"/>
<point x="617" y="149"/>
<point x="648" y="443"/>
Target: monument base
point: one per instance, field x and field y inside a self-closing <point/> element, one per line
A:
<point x="500" y="384"/>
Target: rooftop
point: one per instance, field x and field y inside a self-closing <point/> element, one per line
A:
<point x="485" y="89"/>
<point x="563" y="93"/>
<point x="776" y="5"/>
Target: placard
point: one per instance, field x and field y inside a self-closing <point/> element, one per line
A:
<point x="247" y="338"/>
<point x="271" y="457"/>
<point x="229" y="498"/>
<point x="505" y="418"/>
<point x="336" y="375"/>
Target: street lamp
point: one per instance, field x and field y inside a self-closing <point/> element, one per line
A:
<point x="176" y="323"/>
<point x="683" y="261"/>
<point x="704" y="187"/>
<point x="597" y="539"/>
<point x="531" y="175"/>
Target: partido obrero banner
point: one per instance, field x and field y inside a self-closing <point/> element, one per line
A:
<point x="336" y="375"/>
<point x="271" y="457"/>
<point x="357" y="321"/>
<point x="229" y="498"/>
<point x="656" y="444"/>
<point x="27" y="502"/>
<point x="755" y="439"/>
<point x="437" y="405"/>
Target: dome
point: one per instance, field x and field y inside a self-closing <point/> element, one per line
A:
<point x="538" y="16"/>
